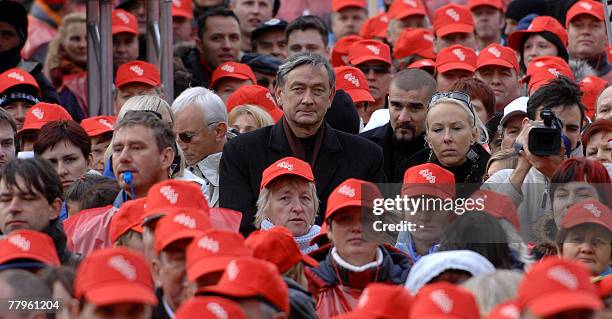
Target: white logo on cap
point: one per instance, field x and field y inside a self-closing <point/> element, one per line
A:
<point x="169" y="193"/>
<point x="442" y="300"/>
<point x="136" y="69"/>
<point x="363" y="300"/>
<point x="384" y="19"/>
<point x="270" y="97"/>
<point x="592" y="209"/>
<point x="459" y="53"/>
<point x="123" y="17"/>
<point x="176" y="3"/>
<point x="185" y="220"/>
<point x="344" y="59"/>
<point x="453" y="14"/>
<point x="530" y="26"/>
<point x="351" y="78"/>
<point x="38" y="113"/>
<point x="428" y="37"/>
<point x="425" y="62"/>
<point x="232" y="270"/>
<point x="227" y="68"/>
<point x="16" y="76"/>
<point x="586" y="80"/>
<point x="123" y="266"/>
<point x="554" y="71"/>
<point x="429" y="176"/>
<point x="495" y="51"/>
<point x="539" y="64"/>
<point x="563" y="276"/>
<point x="411" y="3"/>
<point x="586" y="5"/>
<point x="373" y="48"/>
<point x="510" y="311"/>
<point x="217" y="310"/>
<point x="347" y="191"/>
<point x="20" y="241"/>
<point x="105" y="123"/>
<point x="273" y="21"/>
<point x="286" y="165"/>
<point x="209" y="244"/>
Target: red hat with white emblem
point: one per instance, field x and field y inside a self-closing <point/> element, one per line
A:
<point x="369" y="50"/>
<point x="452" y="18"/>
<point x="588" y="212"/>
<point x="498" y="55"/>
<point x="16" y="76"/>
<point x="114" y="275"/>
<point x="402" y="9"/>
<point x="286" y="166"/>
<point x="210" y="308"/>
<point x="592" y="8"/>
<point x="538" y="24"/>
<point x="179" y="224"/>
<point x="98" y="125"/>
<point x="444" y="300"/>
<point x="171" y="194"/>
<point x="375" y="27"/>
<point x="232" y="70"/>
<point x="43" y="113"/>
<point x="544" y="75"/>
<point x="380" y="300"/>
<point x="456" y="57"/>
<point x="28" y="244"/>
<point x="255" y="95"/>
<point x="338" y="5"/>
<point x="123" y="21"/>
<point x="424" y="64"/>
<point x="137" y="72"/>
<point x="506" y="310"/>
<point x="278" y="246"/>
<point x="351" y="193"/>
<point x="353" y="81"/>
<point x="414" y="41"/>
<point x="339" y="56"/>
<point x="541" y="62"/>
<point x="497" y="4"/>
<point x="555" y="285"/>
<point x="182" y="8"/>
<point x="428" y="179"/>
<point x="498" y="205"/>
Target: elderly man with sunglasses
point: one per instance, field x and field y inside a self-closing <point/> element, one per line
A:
<point x="200" y="121"/>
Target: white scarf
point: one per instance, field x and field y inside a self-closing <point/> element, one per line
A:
<point x="303" y="241"/>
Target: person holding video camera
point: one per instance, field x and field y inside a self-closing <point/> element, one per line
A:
<point x="550" y="133"/>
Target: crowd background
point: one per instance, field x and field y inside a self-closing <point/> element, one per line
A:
<point x="251" y="192"/>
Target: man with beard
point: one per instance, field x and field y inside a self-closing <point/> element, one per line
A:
<point x="409" y="94"/>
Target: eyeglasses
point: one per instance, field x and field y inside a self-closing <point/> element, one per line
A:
<point x="187" y="137"/>
<point x="378" y="69"/>
<point x="456" y="95"/>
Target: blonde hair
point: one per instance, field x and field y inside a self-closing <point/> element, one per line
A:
<point x="483" y="135"/>
<point x="508" y="156"/>
<point x="262" y="118"/>
<point x="54" y="52"/>
<point x="494" y="288"/>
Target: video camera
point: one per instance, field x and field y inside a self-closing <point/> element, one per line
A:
<point x="545" y="139"/>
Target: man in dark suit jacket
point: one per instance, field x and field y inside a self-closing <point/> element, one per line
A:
<point x="305" y="89"/>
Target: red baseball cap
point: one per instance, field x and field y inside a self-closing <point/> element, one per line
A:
<point x="249" y="277"/>
<point x="277" y="246"/>
<point x="498" y="55"/>
<point x="498" y="205"/>
<point x="137" y="72"/>
<point x="351" y="193"/>
<point x="428" y="179"/>
<point x="211" y="252"/>
<point x="98" y="125"/>
<point x="414" y="41"/>
<point x="543" y="75"/>
<point x="210" y="308"/>
<point x="353" y="81"/>
<point x="128" y="217"/>
<point x="424" y="64"/>
<point x="114" y="275"/>
<point x="456" y="57"/>
<point x="538" y="24"/>
<point x="339" y="56"/>
<point x="338" y="5"/>
<point x="182" y="8"/>
<point x="452" y="18"/>
<point x="402" y="9"/>
<point x="556" y="285"/>
<point x="591" y="87"/>
<point x="379" y="300"/>
<point x="588" y="212"/>
<point x="605" y="286"/>
<point x="233" y="70"/>
<point x="497" y="4"/>
<point x="540" y="62"/>
<point x="43" y="113"/>
<point x="369" y="50"/>
<point x="178" y="224"/>
<point x="171" y="194"/>
<point x="506" y="310"/>
<point x="16" y="76"/>
<point x="444" y="300"/>
<point x="592" y="8"/>
<point x="256" y="95"/>
<point x="28" y="244"/>
<point x="286" y="166"/>
<point x="123" y="21"/>
<point x="375" y="27"/>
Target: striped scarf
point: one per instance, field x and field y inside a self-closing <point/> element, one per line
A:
<point x="303" y="241"/>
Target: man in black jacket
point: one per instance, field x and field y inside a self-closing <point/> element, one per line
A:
<point x="305" y="89"/>
<point x="404" y="135"/>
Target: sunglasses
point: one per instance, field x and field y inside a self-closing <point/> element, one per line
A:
<point x="378" y="69"/>
<point x="187" y="137"/>
<point x="459" y="96"/>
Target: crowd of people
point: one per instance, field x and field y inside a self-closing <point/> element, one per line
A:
<point x="433" y="159"/>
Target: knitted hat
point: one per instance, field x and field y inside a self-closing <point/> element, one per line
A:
<point x="16" y="15"/>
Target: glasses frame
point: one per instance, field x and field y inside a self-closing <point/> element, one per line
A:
<point x="455" y="95"/>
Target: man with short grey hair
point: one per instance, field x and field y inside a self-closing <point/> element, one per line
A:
<point x="305" y="89"/>
<point x="19" y="284"/>
<point x="200" y="122"/>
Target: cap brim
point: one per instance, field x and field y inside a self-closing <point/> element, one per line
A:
<point x="120" y="293"/>
<point x="570" y="18"/>
<point x="122" y="29"/>
<point x="237" y="76"/>
<point x="455" y="66"/>
<point x="137" y="80"/>
<point x="354" y="4"/>
<point x="427" y="53"/>
<point x="555" y="303"/>
<point x="348" y="203"/>
<point x="509" y="115"/>
<point x="9" y="257"/>
<point x="208" y="265"/>
<point x="100" y="131"/>
<point x="181" y="13"/>
<point x="360" y="95"/>
<point x="516" y="37"/>
<point x="427" y="190"/>
<point x="151" y="217"/>
<point x="454" y="28"/>
<point x="410" y="13"/>
<point x="32" y="127"/>
<point x="588" y="221"/>
<point x="226" y="289"/>
<point x="365" y="58"/>
<point x="176" y="236"/>
<point x="497" y="62"/>
<point x="294" y="173"/>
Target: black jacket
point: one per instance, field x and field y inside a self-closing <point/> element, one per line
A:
<point x="392" y="150"/>
<point x="302" y="304"/>
<point x="245" y="157"/>
<point x="12" y="59"/>
<point x="55" y="230"/>
<point x="189" y="72"/>
<point x="159" y="312"/>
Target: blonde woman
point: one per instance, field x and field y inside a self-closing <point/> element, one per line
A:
<point x="249" y="117"/>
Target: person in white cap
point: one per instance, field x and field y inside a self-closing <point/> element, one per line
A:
<point x="512" y="121"/>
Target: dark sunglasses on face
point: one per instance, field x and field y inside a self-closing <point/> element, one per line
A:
<point x="456" y="95"/>
<point x="378" y="69"/>
<point x="187" y="137"/>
